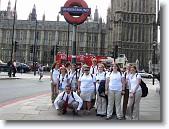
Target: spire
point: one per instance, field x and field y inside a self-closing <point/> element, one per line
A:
<point x="96" y="15"/>
<point x="33" y="14"/>
<point x="43" y="17"/>
<point x="58" y="17"/>
<point x="9" y="6"/>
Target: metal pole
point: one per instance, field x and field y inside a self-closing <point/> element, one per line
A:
<point x="74" y="44"/>
<point x="153" y="63"/>
<point x="67" y="43"/>
<point x="10" y="69"/>
<point x="34" y="49"/>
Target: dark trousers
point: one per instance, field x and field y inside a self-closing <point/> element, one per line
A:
<point x="125" y="101"/>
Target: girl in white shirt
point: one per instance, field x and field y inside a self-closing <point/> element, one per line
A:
<point x="62" y="80"/>
<point x="53" y="77"/>
<point x="101" y="100"/>
<point x="73" y="75"/>
<point x="115" y="87"/>
<point x="132" y="112"/>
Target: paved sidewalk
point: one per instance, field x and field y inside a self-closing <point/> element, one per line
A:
<point x="41" y="108"/>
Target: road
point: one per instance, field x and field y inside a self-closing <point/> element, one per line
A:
<point x="13" y="89"/>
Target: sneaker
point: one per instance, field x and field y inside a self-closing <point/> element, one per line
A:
<point x="64" y="111"/>
<point x="75" y="113"/>
<point x="119" y="118"/>
<point x="98" y="115"/>
<point x="108" y="118"/>
<point x="87" y="112"/>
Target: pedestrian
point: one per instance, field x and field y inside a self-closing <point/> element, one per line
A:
<point x="14" y="68"/>
<point x="93" y="68"/>
<point x="40" y="71"/>
<point x="114" y="88"/>
<point x="87" y="88"/>
<point x="73" y="75"/>
<point x="101" y="103"/>
<point x="62" y="80"/>
<point x="55" y="71"/>
<point x="127" y="75"/>
<point x="68" y="99"/>
<point x="132" y="112"/>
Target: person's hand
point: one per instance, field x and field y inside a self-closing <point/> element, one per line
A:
<point x="131" y="95"/>
<point x="123" y="92"/>
<point x="106" y="92"/>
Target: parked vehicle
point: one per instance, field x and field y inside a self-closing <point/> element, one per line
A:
<point x="145" y="75"/>
<point x="3" y="67"/>
<point x="23" y="68"/>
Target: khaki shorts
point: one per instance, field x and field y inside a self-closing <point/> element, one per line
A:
<point x="87" y="96"/>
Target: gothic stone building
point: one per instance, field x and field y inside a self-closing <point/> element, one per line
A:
<point x="91" y="37"/>
<point x="133" y="28"/>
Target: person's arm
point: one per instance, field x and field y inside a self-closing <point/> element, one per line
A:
<point x="138" y="83"/>
<point x="106" y="85"/>
<point x="59" y="97"/>
<point x="79" y="100"/>
<point x="123" y="85"/>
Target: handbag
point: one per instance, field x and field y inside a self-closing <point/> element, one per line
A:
<point x="101" y="86"/>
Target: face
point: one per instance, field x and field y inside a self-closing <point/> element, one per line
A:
<point x="133" y="70"/>
<point x="86" y="71"/>
<point x="63" y="70"/>
<point x="94" y="62"/>
<point x="56" y="66"/>
<point x="128" y="67"/>
<point x="114" y="67"/>
<point x="100" y="68"/>
<point x="73" y="67"/>
<point x="67" y="89"/>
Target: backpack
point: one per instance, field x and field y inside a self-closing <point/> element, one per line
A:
<point x="144" y="88"/>
<point x="102" y="85"/>
<point x="71" y="94"/>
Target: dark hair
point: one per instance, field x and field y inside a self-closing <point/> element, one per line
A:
<point x="118" y="68"/>
<point x="134" y="68"/>
<point x="54" y="64"/>
<point x="68" y="64"/>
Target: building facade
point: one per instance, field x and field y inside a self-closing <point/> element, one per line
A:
<point x="91" y="37"/>
<point x="132" y="26"/>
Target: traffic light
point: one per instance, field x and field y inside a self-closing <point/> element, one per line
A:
<point x="57" y="49"/>
<point x="115" y="51"/>
<point x="37" y="48"/>
<point x="52" y="51"/>
<point x="112" y="54"/>
<point x="16" y="46"/>
<point x="31" y="48"/>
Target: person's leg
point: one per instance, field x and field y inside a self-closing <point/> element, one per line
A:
<point x="52" y="93"/>
<point x="98" y="104"/>
<point x="103" y="106"/>
<point x="110" y="104"/>
<point x="61" y="104"/>
<point x="118" y="104"/>
<point x="129" y="108"/>
<point x="136" y="105"/>
<point x="88" y="107"/>
<point x="125" y="101"/>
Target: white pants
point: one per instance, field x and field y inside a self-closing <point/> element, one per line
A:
<point x="132" y="112"/>
<point x="101" y="105"/>
<point x="114" y="96"/>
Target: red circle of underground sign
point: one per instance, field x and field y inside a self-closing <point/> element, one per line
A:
<point x="72" y="19"/>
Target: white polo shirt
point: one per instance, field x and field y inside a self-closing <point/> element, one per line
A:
<point x="115" y="81"/>
<point x="87" y="82"/>
<point x="73" y="77"/>
<point x="100" y="76"/>
<point x="63" y="80"/>
<point x="133" y="82"/>
<point x="93" y="68"/>
<point x="55" y="73"/>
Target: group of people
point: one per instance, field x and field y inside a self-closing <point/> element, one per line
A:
<point x="75" y="89"/>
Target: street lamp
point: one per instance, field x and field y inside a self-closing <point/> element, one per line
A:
<point x="154" y="47"/>
<point x="34" y="48"/>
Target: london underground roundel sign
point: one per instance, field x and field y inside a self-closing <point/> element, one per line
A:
<point x="75" y="11"/>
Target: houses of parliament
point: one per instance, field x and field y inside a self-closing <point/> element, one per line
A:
<point x="130" y="24"/>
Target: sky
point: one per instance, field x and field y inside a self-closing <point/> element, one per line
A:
<point x="51" y="8"/>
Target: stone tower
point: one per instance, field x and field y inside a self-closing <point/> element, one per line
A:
<point x="96" y="15"/>
<point x="132" y="28"/>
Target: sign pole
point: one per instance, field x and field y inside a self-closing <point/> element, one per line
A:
<point x="74" y="44"/>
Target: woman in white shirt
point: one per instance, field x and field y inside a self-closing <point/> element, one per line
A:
<point x="132" y="112"/>
<point x="101" y="100"/>
<point x="115" y="87"/>
<point x="62" y="80"/>
<point x="73" y="75"/>
<point x="87" y="89"/>
<point x="53" y="77"/>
